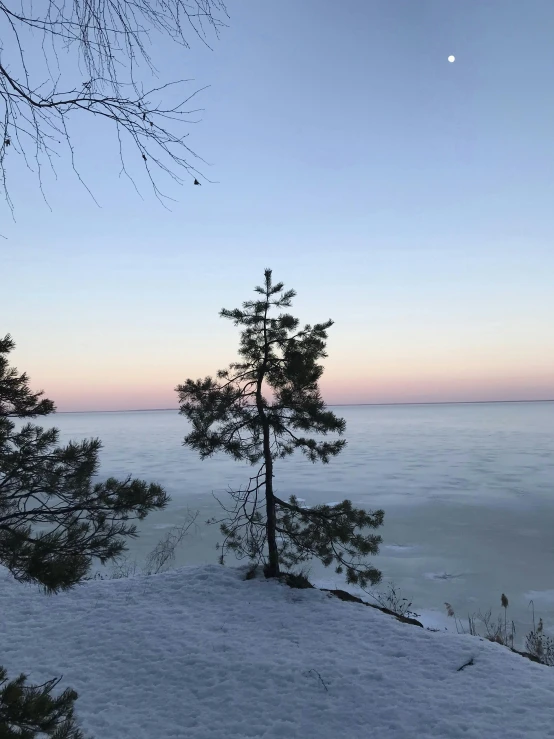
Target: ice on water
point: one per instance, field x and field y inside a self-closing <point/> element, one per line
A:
<point x="468" y="494"/>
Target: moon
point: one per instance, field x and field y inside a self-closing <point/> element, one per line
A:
<point x="451" y="58"/>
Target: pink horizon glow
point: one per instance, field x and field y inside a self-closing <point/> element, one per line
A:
<point x="377" y="392"/>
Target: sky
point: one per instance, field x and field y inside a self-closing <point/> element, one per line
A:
<point x="407" y="198"/>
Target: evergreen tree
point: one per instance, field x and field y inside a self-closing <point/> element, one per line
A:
<point x="232" y="414"/>
<point x="44" y="484"/>
<point x="27" y="711"/>
<point x="41" y="483"/>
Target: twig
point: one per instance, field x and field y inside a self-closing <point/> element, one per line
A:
<point x="470" y="662"/>
<point x="320" y="678"/>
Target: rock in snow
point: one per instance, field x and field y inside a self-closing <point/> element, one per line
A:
<point x="201" y="653"/>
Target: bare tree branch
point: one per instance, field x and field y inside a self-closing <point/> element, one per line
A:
<point x="111" y="39"/>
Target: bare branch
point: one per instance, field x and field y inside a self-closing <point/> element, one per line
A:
<point x="111" y="41"/>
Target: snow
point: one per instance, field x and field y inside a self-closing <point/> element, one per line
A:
<point x="202" y="653"/>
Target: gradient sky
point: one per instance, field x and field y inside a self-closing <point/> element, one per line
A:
<point x="409" y="199"/>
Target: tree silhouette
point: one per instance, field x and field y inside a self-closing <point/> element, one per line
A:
<point x="232" y="414"/>
<point x="42" y="484"/>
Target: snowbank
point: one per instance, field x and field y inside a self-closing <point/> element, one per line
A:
<point x="201" y="653"/>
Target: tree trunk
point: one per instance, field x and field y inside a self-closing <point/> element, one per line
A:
<point x="272" y="569"/>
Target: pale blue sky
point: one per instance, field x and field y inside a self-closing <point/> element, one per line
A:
<point x="405" y="197"/>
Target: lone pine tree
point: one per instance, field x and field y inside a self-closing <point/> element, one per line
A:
<point x="47" y="485"/>
<point x="232" y="414"/>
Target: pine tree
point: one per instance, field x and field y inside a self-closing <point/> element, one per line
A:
<point x="42" y="483"/>
<point x="232" y="414"/>
<point x="30" y="710"/>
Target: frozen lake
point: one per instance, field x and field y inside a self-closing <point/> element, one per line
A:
<point x="468" y="494"/>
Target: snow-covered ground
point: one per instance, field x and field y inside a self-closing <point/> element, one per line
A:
<point x="202" y="653"/>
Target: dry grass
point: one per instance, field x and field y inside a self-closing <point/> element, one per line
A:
<point x="495" y="631"/>
<point x="539" y="644"/>
<point x="540" y="647"/>
<point x="392" y="599"/>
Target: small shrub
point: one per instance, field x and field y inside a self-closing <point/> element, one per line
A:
<point x="121" y="569"/>
<point x="538" y="644"/>
<point x="163" y="553"/>
<point x="394" y="602"/>
<point x="498" y="632"/>
<point x="159" y="558"/>
<point x="96" y="576"/>
<point x="124" y="568"/>
<point x="297" y="580"/>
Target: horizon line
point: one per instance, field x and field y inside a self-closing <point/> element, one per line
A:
<point x="340" y="405"/>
